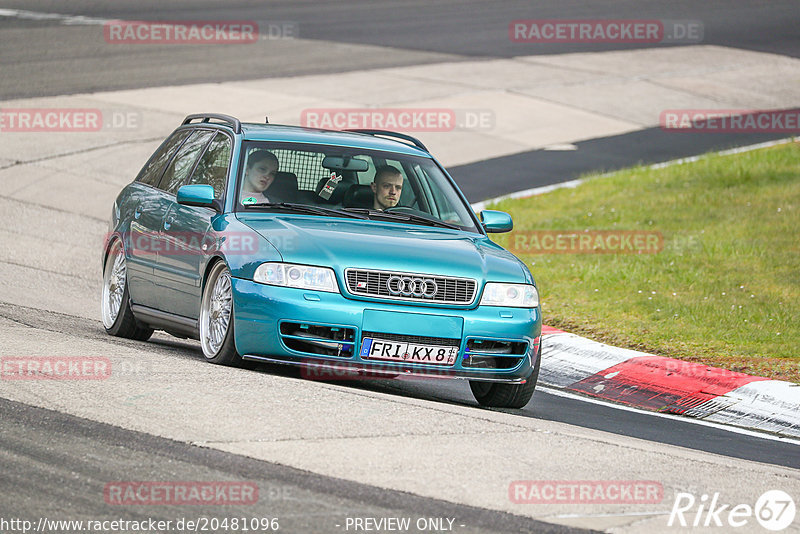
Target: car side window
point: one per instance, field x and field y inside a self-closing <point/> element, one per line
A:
<point x="442" y="203"/>
<point x="212" y="169"/>
<point x="183" y="162"/>
<point x="152" y="171"/>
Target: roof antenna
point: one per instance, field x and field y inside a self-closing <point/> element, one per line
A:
<point x="266" y="119"/>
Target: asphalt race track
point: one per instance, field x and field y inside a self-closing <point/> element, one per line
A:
<point x="323" y="452"/>
<point x="303" y="502"/>
<point x="424" y="31"/>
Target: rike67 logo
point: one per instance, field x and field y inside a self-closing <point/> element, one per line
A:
<point x="774" y="510"/>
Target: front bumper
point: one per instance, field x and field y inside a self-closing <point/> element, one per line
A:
<point x="260" y="310"/>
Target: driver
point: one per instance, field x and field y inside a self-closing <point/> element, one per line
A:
<point x="387" y="186"/>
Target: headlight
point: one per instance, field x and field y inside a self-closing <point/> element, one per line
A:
<point x="512" y="295"/>
<point x="301" y="276"/>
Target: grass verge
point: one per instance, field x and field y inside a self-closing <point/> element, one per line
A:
<point x="724" y="287"/>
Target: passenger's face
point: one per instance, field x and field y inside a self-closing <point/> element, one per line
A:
<point x="387" y="191"/>
<point x="260" y="175"/>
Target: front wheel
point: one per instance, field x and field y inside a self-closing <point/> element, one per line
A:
<point x="494" y="395"/>
<point x="216" y="318"/>
<point x="115" y="302"/>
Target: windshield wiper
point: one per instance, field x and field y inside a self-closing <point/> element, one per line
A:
<point x="305" y="208"/>
<point x="407" y="217"/>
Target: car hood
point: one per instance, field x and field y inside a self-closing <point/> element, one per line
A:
<point x="346" y="243"/>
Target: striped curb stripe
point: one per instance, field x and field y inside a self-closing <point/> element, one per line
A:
<point x="656" y="383"/>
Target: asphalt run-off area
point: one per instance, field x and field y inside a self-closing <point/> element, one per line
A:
<point x="514" y="100"/>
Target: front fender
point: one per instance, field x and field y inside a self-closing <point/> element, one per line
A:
<point x="246" y="249"/>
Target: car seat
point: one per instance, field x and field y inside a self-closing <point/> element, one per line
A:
<point x="283" y="188"/>
<point x="359" y="196"/>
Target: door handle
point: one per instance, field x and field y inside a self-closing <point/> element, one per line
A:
<point x="168" y="222"/>
<point x="137" y="212"/>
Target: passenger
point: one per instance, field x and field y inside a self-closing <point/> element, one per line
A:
<point x="387" y="187"/>
<point x="262" y="166"/>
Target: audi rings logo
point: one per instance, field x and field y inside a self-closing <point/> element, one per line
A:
<point x="412" y="287"/>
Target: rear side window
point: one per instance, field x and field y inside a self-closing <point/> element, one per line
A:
<point x="212" y="169"/>
<point x="152" y="171"/>
<point x="183" y="162"/>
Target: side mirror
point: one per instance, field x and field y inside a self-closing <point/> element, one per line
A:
<point x="197" y="195"/>
<point x="496" y="222"/>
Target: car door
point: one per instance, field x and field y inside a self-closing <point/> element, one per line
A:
<point x="149" y="205"/>
<point x="176" y="173"/>
<point x="188" y="231"/>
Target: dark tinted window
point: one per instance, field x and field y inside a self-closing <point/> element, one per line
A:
<point x="183" y="162"/>
<point x="212" y="169"/>
<point x="154" y="168"/>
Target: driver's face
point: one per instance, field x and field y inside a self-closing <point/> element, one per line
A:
<point x="260" y="175"/>
<point x="387" y="191"/>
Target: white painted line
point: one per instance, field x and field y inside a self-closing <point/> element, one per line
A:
<point x="480" y="206"/>
<point x="623" y="514"/>
<point x="560" y="148"/>
<point x="689" y="420"/>
<point x="73" y="20"/>
<point x="728" y="152"/>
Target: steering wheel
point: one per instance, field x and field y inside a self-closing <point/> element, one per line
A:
<point x="404" y="209"/>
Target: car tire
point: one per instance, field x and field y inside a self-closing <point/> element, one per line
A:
<point x="115" y="302"/>
<point x="216" y="318"/>
<point x="496" y="395"/>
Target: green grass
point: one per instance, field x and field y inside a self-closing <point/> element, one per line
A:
<point x="725" y="289"/>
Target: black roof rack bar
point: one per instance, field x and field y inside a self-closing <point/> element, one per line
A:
<point x="206" y="117"/>
<point x="388" y="133"/>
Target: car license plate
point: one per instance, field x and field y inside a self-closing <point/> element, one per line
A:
<point x="382" y="349"/>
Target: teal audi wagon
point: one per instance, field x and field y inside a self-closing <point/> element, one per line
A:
<point x="347" y="250"/>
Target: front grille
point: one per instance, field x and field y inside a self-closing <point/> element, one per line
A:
<point x="444" y="290"/>
<point x="419" y="340"/>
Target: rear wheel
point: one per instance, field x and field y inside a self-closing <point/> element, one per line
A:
<point x="495" y="395"/>
<point x="118" y="319"/>
<point x="216" y="318"/>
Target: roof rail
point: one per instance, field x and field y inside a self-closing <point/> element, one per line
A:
<point x="388" y="133"/>
<point x="206" y="117"/>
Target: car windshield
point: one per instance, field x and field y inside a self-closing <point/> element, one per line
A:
<point x="383" y="186"/>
